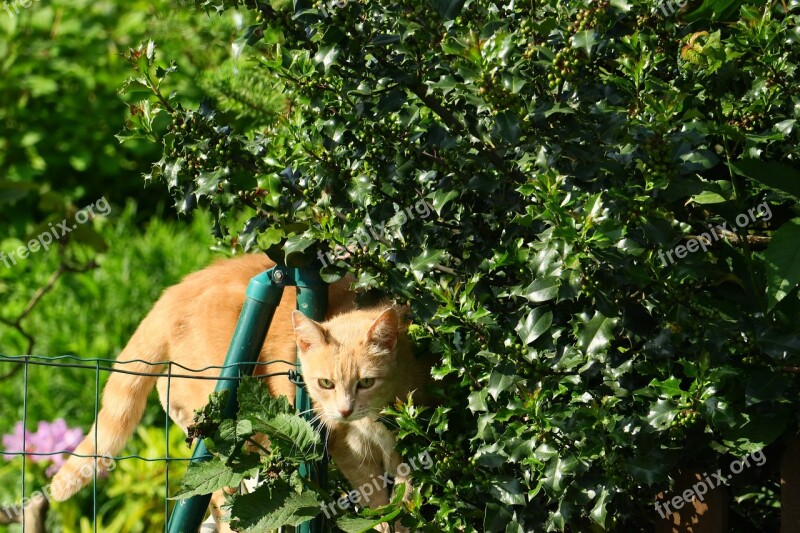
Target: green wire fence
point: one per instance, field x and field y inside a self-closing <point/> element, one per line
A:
<point x="262" y="298"/>
<point x="96" y="365"/>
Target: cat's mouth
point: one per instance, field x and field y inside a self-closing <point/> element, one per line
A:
<point x="336" y="418"/>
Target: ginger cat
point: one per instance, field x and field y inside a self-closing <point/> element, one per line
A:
<point x="354" y="364"/>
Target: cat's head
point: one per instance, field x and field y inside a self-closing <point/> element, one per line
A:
<point x="349" y="362"/>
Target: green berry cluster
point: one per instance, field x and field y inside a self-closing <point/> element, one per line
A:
<point x="528" y="33"/>
<point x="492" y="90"/>
<point x="659" y="165"/>
<point x="199" y="143"/>
<point x="189" y="124"/>
<point x="566" y="65"/>
<point x="686" y="419"/>
<point x="513" y="346"/>
<point x="774" y="80"/>
<point x="568" y="60"/>
<point x="586" y="19"/>
<point x="745" y="120"/>
<point x="526" y="27"/>
<point x="750" y="360"/>
<point x="252" y="196"/>
<point x="589" y="285"/>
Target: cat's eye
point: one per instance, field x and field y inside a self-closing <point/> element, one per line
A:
<point x="365" y="383"/>
<point x="325" y="384"/>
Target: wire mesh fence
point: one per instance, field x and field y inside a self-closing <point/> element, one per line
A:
<point x="29" y="504"/>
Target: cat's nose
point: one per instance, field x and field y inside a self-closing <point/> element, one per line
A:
<point x="346" y="412"/>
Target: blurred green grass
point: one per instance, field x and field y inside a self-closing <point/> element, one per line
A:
<point x="93" y="314"/>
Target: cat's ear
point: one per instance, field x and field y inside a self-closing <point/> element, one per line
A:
<point x="307" y="333"/>
<point x="384" y="331"/>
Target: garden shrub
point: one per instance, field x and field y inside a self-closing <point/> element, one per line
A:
<point x="607" y="269"/>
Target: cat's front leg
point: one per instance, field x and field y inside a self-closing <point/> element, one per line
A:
<point x="362" y="463"/>
<point x="365" y="464"/>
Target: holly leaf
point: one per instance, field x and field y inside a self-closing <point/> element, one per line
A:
<point x="535" y="324"/>
<point x="595" y="335"/>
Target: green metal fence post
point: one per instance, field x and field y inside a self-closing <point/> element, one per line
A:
<point x="262" y="298"/>
<point x="312" y="301"/>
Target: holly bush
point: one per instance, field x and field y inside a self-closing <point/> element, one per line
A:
<point x="590" y="206"/>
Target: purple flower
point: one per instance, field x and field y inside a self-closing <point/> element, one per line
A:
<point x="49" y="438"/>
<point x="13" y="441"/>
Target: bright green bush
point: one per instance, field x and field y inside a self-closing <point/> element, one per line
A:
<point x="60" y="110"/>
<point x="561" y="149"/>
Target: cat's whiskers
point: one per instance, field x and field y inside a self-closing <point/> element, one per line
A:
<point x="376" y="412"/>
<point x="314" y="421"/>
<point x="325" y="445"/>
<point x="366" y="456"/>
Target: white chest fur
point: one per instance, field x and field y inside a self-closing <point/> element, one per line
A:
<point x="370" y="436"/>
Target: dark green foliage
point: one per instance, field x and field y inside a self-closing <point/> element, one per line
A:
<point x="284" y="498"/>
<point x="543" y="176"/>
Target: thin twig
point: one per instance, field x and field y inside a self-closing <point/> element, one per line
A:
<point x="16" y="324"/>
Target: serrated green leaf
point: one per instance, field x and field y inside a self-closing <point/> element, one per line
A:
<point x="584" y="40"/>
<point x="297" y="244"/>
<point x="272" y="506"/>
<point x="477" y="401"/>
<point x="661" y="414"/>
<point x="425" y="261"/>
<point x="360" y="525"/>
<point x="507" y="127"/>
<point x="440" y="198"/>
<point x="599" y="511"/>
<point x="294" y="437"/>
<point x="214" y="474"/>
<point x="254" y="398"/>
<point x="708" y="197"/>
<point x="758" y="431"/>
<point x="501" y="379"/>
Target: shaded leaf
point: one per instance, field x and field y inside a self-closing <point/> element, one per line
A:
<point x="783" y="262"/>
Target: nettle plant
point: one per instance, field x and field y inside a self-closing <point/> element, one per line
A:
<point x="561" y="147"/>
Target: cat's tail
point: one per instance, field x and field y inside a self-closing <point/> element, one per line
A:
<point x="124" y="401"/>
